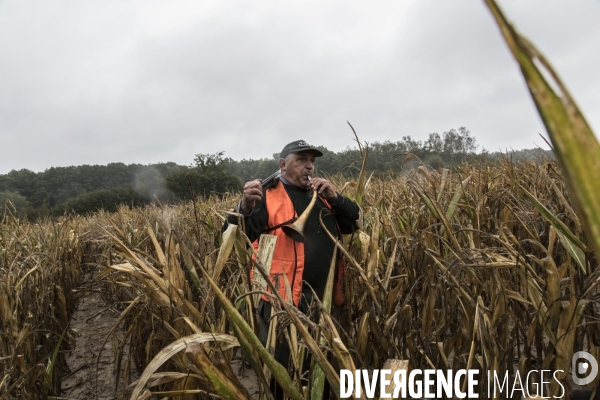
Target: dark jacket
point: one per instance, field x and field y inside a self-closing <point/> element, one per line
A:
<point x="318" y="246"/>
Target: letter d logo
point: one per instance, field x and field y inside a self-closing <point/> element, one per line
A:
<point x="583" y="368"/>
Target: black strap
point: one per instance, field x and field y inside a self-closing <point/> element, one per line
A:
<point x="267" y="230"/>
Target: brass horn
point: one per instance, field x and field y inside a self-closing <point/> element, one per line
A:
<point x="296" y="230"/>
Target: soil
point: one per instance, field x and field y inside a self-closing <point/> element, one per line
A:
<point x="246" y="375"/>
<point x="89" y="377"/>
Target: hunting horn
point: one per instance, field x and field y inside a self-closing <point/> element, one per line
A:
<point x="296" y="230"/>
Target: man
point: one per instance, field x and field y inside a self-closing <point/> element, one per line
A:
<point x="280" y="205"/>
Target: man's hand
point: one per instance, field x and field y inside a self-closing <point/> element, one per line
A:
<point x="252" y="193"/>
<point x="324" y="189"/>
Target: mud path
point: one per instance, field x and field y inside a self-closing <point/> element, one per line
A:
<point x="89" y="377"/>
<point x="245" y="374"/>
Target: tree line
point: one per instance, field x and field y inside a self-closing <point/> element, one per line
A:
<point x="447" y="150"/>
<point x="88" y="188"/>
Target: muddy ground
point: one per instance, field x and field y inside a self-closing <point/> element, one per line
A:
<point x="92" y="369"/>
<point x="91" y="374"/>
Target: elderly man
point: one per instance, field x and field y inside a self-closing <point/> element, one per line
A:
<point x="268" y="211"/>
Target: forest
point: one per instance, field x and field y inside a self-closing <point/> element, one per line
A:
<point x="89" y="188"/>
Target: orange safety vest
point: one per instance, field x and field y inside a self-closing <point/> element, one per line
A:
<point x="288" y="257"/>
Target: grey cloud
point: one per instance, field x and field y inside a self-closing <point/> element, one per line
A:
<point x="145" y="82"/>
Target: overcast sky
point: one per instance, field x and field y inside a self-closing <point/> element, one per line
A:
<point x="85" y="82"/>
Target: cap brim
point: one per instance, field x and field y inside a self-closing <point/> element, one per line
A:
<point x="316" y="152"/>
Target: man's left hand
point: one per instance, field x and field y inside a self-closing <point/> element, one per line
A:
<point x="324" y="189"/>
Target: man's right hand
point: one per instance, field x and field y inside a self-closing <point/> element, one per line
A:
<point x="252" y="193"/>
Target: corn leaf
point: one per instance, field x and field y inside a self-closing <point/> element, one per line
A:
<point x="575" y="145"/>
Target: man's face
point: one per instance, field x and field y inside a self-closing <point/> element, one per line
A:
<point x="297" y="168"/>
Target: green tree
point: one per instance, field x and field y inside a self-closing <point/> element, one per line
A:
<point x="106" y="199"/>
<point x="434" y="144"/>
<point x="14" y="201"/>
<point x="209" y="174"/>
<point x="458" y="143"/>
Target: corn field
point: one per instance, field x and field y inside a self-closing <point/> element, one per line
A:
<point x="39" y="268"/>
<point x="483" y="267"/>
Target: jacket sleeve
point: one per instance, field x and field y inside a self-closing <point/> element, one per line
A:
<point x="346" y="214"/>
<point x="255" y="222"/>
